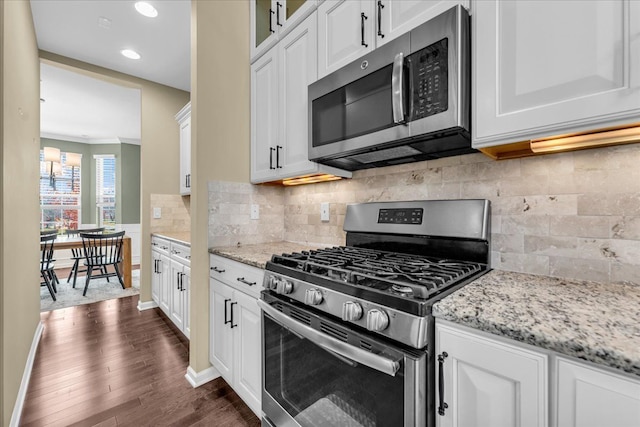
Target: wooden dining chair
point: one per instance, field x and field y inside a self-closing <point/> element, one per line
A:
<point x="52" y="272"/>
<point x="77" y="255"/>
<point x="101" y="251"/>
<point x="46" y="264"/>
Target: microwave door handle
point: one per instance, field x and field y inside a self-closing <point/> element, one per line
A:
<point x="397" y="89"/>
<point x="333" y="345"/>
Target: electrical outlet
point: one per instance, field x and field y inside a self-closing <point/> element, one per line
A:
<point x="324" y="212"/>
<point x="255" y="211"/>
<point x="157" y="213"/>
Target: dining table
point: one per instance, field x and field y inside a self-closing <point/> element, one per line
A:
<point x="75" y="242"/>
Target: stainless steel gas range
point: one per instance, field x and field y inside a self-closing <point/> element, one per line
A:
<point x="348" y="333"/>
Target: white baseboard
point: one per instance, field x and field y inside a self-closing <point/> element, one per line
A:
<point x="26" y="376"/>
<point x="196" y="379"/>
<point x="146" y="305"/>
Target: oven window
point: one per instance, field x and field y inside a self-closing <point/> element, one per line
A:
<point x="361" y="107"/>
<point x="318" y="388"/>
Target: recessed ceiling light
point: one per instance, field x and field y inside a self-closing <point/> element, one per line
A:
<point x="146" y="9"/>
<point x="131" y="54"/>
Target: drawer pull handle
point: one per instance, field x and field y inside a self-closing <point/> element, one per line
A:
<point x="246" y="282"/>
<point x="217" y="270"/>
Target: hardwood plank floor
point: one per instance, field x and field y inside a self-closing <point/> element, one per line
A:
<point x="107" y="364"/>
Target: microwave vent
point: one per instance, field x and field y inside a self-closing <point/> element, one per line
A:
<point x="387" y="154"/>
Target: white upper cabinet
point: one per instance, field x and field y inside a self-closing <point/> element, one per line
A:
<point x="184" y="121"/>
<point x="345" y="32"/>
<point x="544" y="68"/>
<point x="271" y="19"/>
<point x="347" y="29"/>
<point x="279" y="107"/>
<point x="395" y="18"/>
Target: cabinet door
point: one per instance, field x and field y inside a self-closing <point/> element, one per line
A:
<point x="177" y="307"/>
<point x="490" y="383"/>
<point x="297" y="56"/>
<point x="547" y="68"/>
<point x="165" y="284"/>
<point x="185" y="156"/>
<point x="395" y="18"/>
<point x="248" y="351"/>
<point x="264" y="117"/>
<point x="263" y="25"/>
<point x="221" y="351"/>
<point x="155" y="277"/>
<point x="186" y="300"/>
<point x="345" y="32"/>
<point x="591" y="397"/>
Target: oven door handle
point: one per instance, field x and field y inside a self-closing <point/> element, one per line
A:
<point x="333" y="345"/>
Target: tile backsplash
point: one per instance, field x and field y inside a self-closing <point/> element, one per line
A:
<point x="175" y="213"/>
<point x="574" y="215"/>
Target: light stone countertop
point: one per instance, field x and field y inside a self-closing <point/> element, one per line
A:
<point x="588" y="320"/>
<point x="183" y="237"/>
<point x="257" y="255"/>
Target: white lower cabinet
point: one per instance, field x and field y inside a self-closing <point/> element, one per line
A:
<point x="488" y="382"/>
<point x="171" y="281"/>
<point x="235" y="342"/>
<point x="499" y="382"/>
<point x="591" y="397"/>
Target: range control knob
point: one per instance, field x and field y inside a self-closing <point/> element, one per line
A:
<point x="312" y="296"/>
<point x="377" y="320"/>
<point x="272" y="283"/>
<point x="284" y="287"/>
<point x="351" y="311"/>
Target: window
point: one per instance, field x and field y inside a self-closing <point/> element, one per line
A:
<point x="106" y="191"/>
<point x="60" y="195"/>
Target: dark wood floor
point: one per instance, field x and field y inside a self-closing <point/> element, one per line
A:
<point x="108" y="364"/>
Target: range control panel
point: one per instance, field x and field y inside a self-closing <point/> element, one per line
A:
<point x="400" y="216"/>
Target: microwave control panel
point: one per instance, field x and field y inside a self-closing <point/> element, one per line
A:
<point x="429" y="74"/>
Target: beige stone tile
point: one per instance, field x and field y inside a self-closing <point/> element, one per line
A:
<point x="625" y="251"/>
<point x="560" y="163"/>
<point x="460" y="173"/>
<point x="579" y="226"/>
<point x="581" y="269"/>
<point x="625" y="273"/>
<point x="551" y="246"/>
<point x="480" y="189"/>
<point x="507" y="242"/>
<point x="444" y="191"/>
<point x="496" y="223"/>
<point x="524" y="186"/>
<point x="620" y="204"/>
<point x="537" y="225"/>
<point x="627" y="227"/>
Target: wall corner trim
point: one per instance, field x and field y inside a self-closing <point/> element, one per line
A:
<point x="196" y="379"/>
<point x="147" y="305"/>
<point x="26" y="376"/>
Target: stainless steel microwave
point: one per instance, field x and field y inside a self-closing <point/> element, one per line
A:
<point x="406" y="101"/>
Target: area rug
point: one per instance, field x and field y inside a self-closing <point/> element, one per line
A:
<point x="99" y="290"/>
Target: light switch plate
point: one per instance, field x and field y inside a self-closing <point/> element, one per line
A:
<point x="255" y="211"/>
<point x="324" y="211"/>
<point x="157" y="213"/>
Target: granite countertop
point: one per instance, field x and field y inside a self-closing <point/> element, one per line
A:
<point x="588" y="320"/>
<point x="183" y="237"/>
<point x="257" y="255"/>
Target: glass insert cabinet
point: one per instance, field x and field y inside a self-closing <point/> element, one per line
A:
<point x="272" y="18"/>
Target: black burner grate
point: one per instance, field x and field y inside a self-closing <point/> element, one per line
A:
<point x="410" y="276"/>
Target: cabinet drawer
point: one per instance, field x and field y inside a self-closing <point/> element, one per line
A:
<point x="160" y="245"/>
<point x="181" y="253"/>
<point x="239" y="276"/>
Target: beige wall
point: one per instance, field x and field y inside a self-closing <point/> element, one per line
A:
<point x="160" y="148"/>
<point x="220" y="136"/>
<point x="19" y="205"/>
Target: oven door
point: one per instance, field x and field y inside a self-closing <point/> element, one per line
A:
<point x="317" y="372"/>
